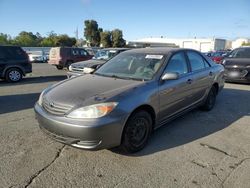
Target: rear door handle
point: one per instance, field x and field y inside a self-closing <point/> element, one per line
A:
<point x="189" y="81"/>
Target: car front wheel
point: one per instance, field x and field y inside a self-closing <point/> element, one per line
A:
<point x="13" y="75"/>
<point x="136" y="132"/>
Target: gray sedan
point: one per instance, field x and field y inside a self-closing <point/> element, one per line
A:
<point x="132" y="94"/>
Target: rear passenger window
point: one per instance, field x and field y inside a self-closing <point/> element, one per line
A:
<point x="177" y="64"/>
<point x="15" y="53"/>
<point x="197" y="61"/>
<point x="75" y="52"/>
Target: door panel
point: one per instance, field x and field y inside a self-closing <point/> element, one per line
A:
<point x="175" y="96"/>
<point x="202" y="75"/>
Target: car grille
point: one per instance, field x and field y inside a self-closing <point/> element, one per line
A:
<point x="54" y="108"/>
<point x="241" y="72"/>
<point x="77" y="69"/>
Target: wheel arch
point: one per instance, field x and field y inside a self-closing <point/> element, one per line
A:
<point x="216" y="86"/>
<point x="145" y="107"/>
<point x="11" y="67"/>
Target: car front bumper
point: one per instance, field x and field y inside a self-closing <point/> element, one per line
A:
<point x="89" y="134"/>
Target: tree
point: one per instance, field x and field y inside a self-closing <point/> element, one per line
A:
<point x="65" y="40"/>
<point x="117" y="38"/>
<point x="92" y="32"/>
<point x="26" y="39"/>
<point x="4" y="39"/>
<point x="246" y="44"/>
<point x="106" y="39"/>
<point x="50" y="40"/>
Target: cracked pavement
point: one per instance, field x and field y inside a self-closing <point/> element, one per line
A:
<point x="199" y="149"/>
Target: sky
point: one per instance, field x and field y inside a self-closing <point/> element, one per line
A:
<point x="137" y="19"/>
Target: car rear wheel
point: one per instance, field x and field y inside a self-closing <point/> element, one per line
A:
<point x="210" y="101"/>
<point x="59" y="67"/>
<point x="13" y="75"/>
<point x="136" y="132"/>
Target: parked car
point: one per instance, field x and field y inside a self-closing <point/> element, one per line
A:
<point x="64" y="56"/>
<point x="14" y="63"/>
<point x="237" y="65"/>
<point x="93" y="50"/>
<point x="132" y="94"/>
<point x="38" y="56"/>
<point x="217" y="56"/>
<point x="102" y="56"/>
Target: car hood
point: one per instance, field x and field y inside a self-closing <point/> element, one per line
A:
<point x="88" y="89"/>
<point x="240" y="62"/>
<point x="88" y="63"/>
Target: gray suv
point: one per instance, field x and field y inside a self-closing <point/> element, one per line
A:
<point x="132" y="94"/>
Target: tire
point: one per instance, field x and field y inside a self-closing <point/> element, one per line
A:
<point x="13" y="75"/>
<point x="59" y="67"/>
<point x="210" y="101"/>
<point x="136" y="132"/>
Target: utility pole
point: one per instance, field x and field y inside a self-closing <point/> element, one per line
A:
<point x="76" y="35"/>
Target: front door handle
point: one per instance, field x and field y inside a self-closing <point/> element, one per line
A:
<point x="189" y="81"/>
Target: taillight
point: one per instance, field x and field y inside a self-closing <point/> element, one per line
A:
<point x="27" y="57"/>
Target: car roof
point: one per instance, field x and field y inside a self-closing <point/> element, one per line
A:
<point x="10" y="46"/>
<point x="115" y="49"/>
<point x="157" y="50"/>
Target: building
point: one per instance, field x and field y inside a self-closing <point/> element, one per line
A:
<point x="203" y="45"/>
<point x="238" y="42"/>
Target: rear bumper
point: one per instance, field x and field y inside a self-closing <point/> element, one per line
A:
<point x="28" y="69"/>
<point x="84" y="134"/>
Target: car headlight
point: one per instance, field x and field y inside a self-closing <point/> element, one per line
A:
<point x="93" y="111"/>
<point x="70" y="68"/>
<point x="40" y="100"/>
<point x="88" y="70"/>
<point x="223" y="62"/>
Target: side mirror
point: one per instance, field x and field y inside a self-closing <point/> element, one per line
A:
<point x="170" y="76"/>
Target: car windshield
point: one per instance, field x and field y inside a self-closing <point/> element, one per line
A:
<point x="132" y="66"/>
<point x="240" y="53"/>
<point x="105" y="54"/>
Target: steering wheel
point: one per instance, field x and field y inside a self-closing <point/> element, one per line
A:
<point x="148" y="72"/>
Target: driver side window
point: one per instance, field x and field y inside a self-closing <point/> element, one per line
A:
<point x="177" y="64"/>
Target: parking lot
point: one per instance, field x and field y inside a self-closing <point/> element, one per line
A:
<point x="199" y="149"/>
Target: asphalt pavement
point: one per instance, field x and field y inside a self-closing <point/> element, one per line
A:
<point x="199" y="149"/>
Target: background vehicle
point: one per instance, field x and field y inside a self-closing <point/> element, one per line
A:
<point x="14" y="63"/>
<point x="129" y="96"/>
<point x="38" y="56"/>
<point x="93" y="50"/>
<point x="217" y="56"/>
<point x="237" y="65"/>
<point x="64" y="56"/>
<point x="100" y="58"/>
